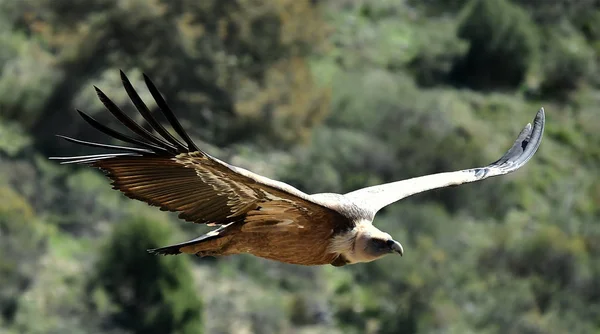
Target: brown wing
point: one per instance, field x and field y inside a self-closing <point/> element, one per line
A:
<point x="195" y="189"/>
<point x="177" y="176"/>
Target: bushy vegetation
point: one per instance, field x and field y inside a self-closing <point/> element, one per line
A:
<point x="151" y="294"/>
<point x="503" y="43"/>
<point x="21" y="242"/>
<point x="328" y="96"/>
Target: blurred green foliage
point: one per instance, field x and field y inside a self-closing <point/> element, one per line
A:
<point x="503" y="43"/>
<point x="21" y="242"/>
<point x="151" y="294"/>
<point x="573" y="61"/>
<point x="329" y="96"/>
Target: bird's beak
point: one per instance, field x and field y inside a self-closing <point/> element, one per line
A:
<point x="396" y="247"/>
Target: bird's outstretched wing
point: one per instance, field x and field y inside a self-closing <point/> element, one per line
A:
<point x="176" y="175"/>
<point x="376" y="197"/>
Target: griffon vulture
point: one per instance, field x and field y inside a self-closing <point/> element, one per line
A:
<point x="255" y="214"/>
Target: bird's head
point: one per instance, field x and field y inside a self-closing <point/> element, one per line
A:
<point x="372" y="244"/>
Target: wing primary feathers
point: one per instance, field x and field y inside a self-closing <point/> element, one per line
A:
<point x="524" y="147"/>
<point x="121" y="136"/>
<point x="78" y="160"/>
<point x="145" y="112"/>
<point x="127" y="121"/>
<point x="111" y="147"/>
<point x="104" y="155"/>
<point x="162" y="143"/>
<point x="517" y="148"/>
<point x="162" y="104"/>
<point x="534" y="140"/>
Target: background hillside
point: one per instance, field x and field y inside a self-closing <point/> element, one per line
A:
<point x="328" y="96"/>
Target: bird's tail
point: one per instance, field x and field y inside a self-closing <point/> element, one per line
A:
<point x="207" y="244"/>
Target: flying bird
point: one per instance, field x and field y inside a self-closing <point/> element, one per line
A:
<point x="255" y="214"/>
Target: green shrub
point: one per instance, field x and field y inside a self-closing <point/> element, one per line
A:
<point x="589" y="25"/>
<point x="567" y="61"/>
<point x="438" y="49"/>
<point x="26" y="78"/>
<point x="22" y="240"/>
<point x="503" y="44"/>
<point x="153" y="294"/>
<point x="13" y="140"/>
<point x="436" y="7"/>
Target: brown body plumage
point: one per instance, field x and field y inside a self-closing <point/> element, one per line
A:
<point x="255" y="214"/>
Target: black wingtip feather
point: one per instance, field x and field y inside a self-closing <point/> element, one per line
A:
<point x="97" y="156"/>
<point x="145" y="112"/>
<point x="525" y="145"/>
<point x="120" y="136"/>
<point x="126" y="120"/>
<point x="518" y="146"/>
<point x="149" y="144"/>
<point x="534" y="139"/>
<point x="162" y="104"/>
<point x="112" y="147"/>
